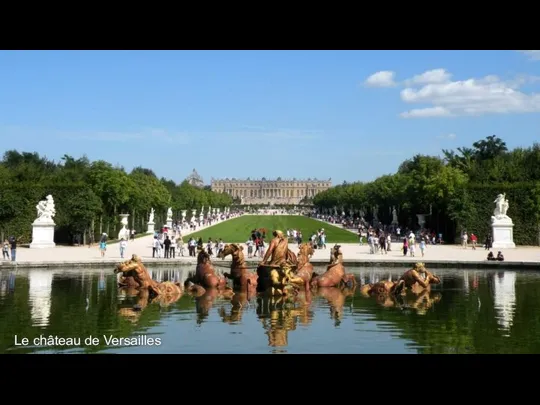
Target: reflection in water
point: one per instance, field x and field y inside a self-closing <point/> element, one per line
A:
<point x="421" y="302"/>
<point x="240" y="301"/>
<point x="418" y="300"/>
<point x="504" y="295"/>
<point x="169" y="275"/>
<point x="7" y="282"/>
<point x="205" y="302"/>
<point x="336" y="300"/>
<point x="40" y="288"/>
<point x="101" y="284"/>
<point x="11" y="282"/>
<point x="446" y="319"/>
<point x="280" y="315"/>
<point x="134" y="301"/>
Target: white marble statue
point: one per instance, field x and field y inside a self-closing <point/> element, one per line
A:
<point x="394" y="216"/>
<point x="124" y="232"/>
<point x="501" y="207"/>
<point x="421" y="220"/>
<point x="502" y="225"/>
<point x="43" y="226"/>
<point x="169" y="214"/>
<point x="46" y="210"/>
<point x="151" y="217"/>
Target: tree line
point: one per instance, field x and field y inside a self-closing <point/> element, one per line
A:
<point x="456" y="190"/>
<point x="89" y="196"/>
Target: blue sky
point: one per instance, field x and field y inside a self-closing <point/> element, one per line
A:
<point x="265" y="113"/>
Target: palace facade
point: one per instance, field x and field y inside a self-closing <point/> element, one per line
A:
<point x="195" y="179"/>
<point x="263" y="191"/>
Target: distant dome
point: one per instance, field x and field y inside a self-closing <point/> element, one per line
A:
<point x="195" y="179"/>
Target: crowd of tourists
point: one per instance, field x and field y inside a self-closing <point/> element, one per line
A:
<point x="169" y="243"/>
<point x="380" y="241"/>
<point x="472" y="239"/>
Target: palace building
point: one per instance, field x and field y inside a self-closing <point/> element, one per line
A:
<point x="195" y="179"/>
<point x="263" y="191"/>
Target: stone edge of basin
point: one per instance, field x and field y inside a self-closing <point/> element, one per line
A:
<point x="440" y="264"/>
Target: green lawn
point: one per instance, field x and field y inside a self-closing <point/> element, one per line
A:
<point x="238" y="230"/>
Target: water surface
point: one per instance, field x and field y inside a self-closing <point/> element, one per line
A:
<point x="469" y="312"/>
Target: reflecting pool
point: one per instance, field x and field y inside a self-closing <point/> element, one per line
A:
<point x="83" y="311"/>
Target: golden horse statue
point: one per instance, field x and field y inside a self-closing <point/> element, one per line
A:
<point x="205" y="274"/>
<point x="240" y="274"/>
<point x="416" y="279"/>
<point x="335" y="275"/>
<point x="134" y="268"/>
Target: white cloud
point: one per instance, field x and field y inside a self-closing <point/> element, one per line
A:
<point x="426" y="112"/>
<point x="444" y="97"/>
<point x="441" y="96"/>
<point x="384" y="78"/>
<point x="489" y="95"/>
<point x="447" y="136"/>
<point x="430" y="77"/>
<point x="533" y="55"/>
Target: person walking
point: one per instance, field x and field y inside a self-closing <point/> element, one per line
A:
<point x="167" y="245"/>
<point x="249" y="244"/>
<point x="405" y="246"/>
<point x="123" y="245"/>
<point x="5" y="250"/>
<point x="180" y="243"/>
<point x="474" y="240"/>
<point x="103" y="247"/>
<point x="172" y="248"/>
<point x="422" y="246"/>
<point x="464" y="239"/>
<point x="155" y="247"/>
<point x="382" y="244"/>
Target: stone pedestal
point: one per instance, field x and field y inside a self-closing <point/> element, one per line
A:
<point x="42" y="235"/>
<point x="150" y="227"/>
<point x="503" y="234"/>
<point x="169" y="223"/>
